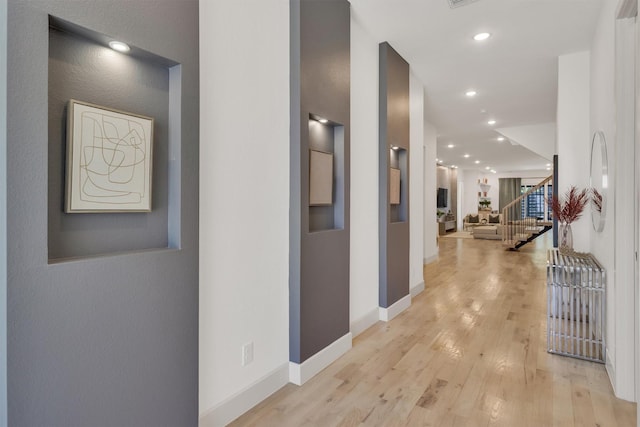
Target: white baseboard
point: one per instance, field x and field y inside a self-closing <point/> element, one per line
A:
<point x="416" y="290"/>
<point x="365" y="322"/>
<point x="611" y="371"/>
<point x="231" y="408"/>
<point x="398" y="307"/>
<point x="430" y="259"/>
<point x="300" y="373"/>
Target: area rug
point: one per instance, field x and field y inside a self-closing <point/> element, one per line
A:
<point x="459" y="235"/>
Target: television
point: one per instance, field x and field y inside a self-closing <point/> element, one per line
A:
<point x="442" y="197"/>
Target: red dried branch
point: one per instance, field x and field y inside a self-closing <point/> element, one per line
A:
<point x="596" y="199"/>
<point x="570" y="209"/>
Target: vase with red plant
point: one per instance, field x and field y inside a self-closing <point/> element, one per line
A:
<point x="567" y="210"/>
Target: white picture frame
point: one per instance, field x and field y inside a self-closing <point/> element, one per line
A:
<point x="320" y="178"/>
<point x="109" y="160"/>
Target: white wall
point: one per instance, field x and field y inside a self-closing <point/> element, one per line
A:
<point x="244" y="202"/>
<point x="364" y="273"/>
<point x="3" y="213"/>
<point x="416" y="180"/>
<point x="573" y="142"/>
<point x="430" y="193"/>
<point x="612" y="247"/>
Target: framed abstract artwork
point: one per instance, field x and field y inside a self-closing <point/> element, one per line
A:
<point x="320" y="178"/>
<point x="394" y="186"/>
<point x="109" y="160"/>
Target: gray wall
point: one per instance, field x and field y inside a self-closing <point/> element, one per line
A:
<point x="3" y="213"/>
<point x="319" y="261"/>
<point x="394" y="220"/>
<point x="102" y="340"/>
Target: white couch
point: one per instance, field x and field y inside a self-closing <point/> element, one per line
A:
<point x="483" y="218"/>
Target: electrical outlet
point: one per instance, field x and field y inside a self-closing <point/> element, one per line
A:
<point x="247" y="353"/>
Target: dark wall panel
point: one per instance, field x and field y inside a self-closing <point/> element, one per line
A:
<point x="102" y="340"/>
<point x="319" y="267"/>
<point x="394" y="219"/>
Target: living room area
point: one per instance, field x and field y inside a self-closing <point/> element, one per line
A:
<point x="470" y="202"/>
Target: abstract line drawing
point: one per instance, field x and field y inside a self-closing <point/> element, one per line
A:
<point x="109" y="159"/>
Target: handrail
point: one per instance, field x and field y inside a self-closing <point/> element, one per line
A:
<point x="513" y="229"/>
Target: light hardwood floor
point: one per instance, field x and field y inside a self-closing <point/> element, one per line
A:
<point x="470" y="351"/>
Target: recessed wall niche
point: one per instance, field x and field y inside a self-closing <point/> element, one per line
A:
<point x="326" y="141"/>
<point x="83" y="67"/>
<point x="397" y="188"/>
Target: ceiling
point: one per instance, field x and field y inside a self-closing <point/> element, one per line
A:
<point x="514" y="72"/>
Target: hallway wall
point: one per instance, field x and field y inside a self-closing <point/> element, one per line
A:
<point x="244" y="204"/>
<point x="573" y="142"/>
<point x="364" y="177"/>
<point x="416" y="180"/>
<point x="612" y="247"/>
<point x="430" y="251"/>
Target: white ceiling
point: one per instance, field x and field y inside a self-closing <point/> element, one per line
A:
<point x="514" y="72"/>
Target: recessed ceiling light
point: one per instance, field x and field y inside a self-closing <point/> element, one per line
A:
<point x="393" y="147"/>
<point x="481" y="36"/>
<point x="501" y="138"/>
<point x="439" y="161"/>
<point x="466" y="156"/>
<point x="471" y="93"/>
<point x="450" y="146"/>
<point x="548" y="169"/>
<point x="323" y="121"/>
<point x="488" y="167"/>
<point x="493" y="171"/>
<point x="454" y="167"/>
<point x="548" y="164"/>
<point x="491" y="122"/>
<point x="477" y="162"/>
<point x="119" y="46"/>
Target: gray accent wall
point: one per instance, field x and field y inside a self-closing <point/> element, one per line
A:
<point x="319" y="238"/>
<point x="394" y="219"/>
<point x="103" y="308"/>
<point x="3" y="213"/>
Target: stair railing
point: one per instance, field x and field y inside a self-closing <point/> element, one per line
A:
<point x="514" y="227"/>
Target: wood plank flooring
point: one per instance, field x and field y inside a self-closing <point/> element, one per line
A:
<point x="470" y="351"/>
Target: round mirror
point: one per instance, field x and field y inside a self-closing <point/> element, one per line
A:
<point x="599" y="180"/>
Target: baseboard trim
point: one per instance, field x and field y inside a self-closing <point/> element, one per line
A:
<point x="300" y="373"/>
<point x="396" y="308"/>
<point x="430" y="259"/>
<point x="611" y="371"/>
<point x="365" y="322"/>
<point x="416" y="290"/>
<point x="231" y="408"/>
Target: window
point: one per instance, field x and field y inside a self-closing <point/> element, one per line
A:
<point x="535" y="204"/>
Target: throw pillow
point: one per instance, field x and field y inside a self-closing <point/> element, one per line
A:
<point x="474" y="219"/>
<point x="494" y="219"/>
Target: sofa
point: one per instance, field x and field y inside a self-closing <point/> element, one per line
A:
<point x="484" y="225"/>
<point x="480" y="219"/>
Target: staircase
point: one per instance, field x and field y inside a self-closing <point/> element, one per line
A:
<point x="518" y="231"/>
